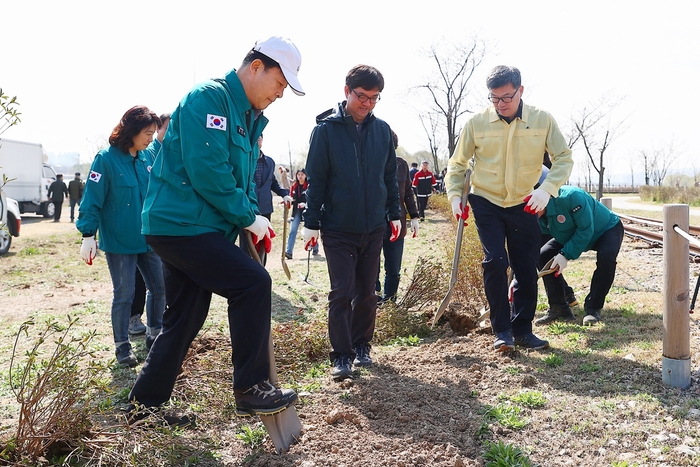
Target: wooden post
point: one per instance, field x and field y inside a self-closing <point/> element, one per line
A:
<point x="676" y="332"/>
<point x="607" y="202"/>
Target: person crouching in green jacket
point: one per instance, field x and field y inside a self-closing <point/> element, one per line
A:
<point x="578" y="223"/>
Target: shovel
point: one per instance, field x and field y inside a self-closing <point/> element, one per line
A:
<point x="283" y="427"/>
<point x="284" y="242"/>
<point x="455" y="258"/>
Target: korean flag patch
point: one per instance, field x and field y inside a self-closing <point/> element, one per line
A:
<point x="216" y="122"/>
<point x="95" y="176"/>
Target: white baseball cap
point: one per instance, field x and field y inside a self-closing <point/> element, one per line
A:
<point x="284" y="52"/>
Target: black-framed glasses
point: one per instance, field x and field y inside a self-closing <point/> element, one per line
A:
<point x="505" y="99"/>
<point x="364" y="98"/>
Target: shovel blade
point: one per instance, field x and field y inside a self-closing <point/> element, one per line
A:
<point x="443" y="306"/>
<point x="284" y="428"/>
<point x="286" y="269"/>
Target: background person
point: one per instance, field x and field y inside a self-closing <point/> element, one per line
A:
<point x="75" y="193"/>
<point x="351" y="208"/>
<point x="136" y="326"/>
<point x="201" y="194"/>
<point x="424" y="184"/>
<point x="112" y="206"/>
<point x="507" y="165"/>
<point x="577" y="223"/>
<point x="58" y="191"/>
<point x="393" y="251"/>
<point x="298" y="194"/>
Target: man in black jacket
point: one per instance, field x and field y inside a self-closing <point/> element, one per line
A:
<point x="58" y="191"/>
<point x="352" y="194"/>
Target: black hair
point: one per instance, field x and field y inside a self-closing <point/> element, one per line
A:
<point x="365" y="77"/>
<point x="503" y="75"/>
<point x="133" y="121"/>
<point x="257" y="55"/>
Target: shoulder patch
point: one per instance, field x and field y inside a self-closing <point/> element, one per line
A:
<point x="216" y="122"/>
<point x="577" y="208"/>
<point x="95" y="176"/>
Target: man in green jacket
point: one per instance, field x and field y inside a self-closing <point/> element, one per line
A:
<point x="578" y="223"/>
<point x="200" y="196"/>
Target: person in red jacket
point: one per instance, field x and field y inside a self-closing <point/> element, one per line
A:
<point x="424" y="183"/>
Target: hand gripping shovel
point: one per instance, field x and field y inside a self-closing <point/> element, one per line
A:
<point x="455" y="258"/>
<point x="284" y="242"/>
<point x="283" y="427"/>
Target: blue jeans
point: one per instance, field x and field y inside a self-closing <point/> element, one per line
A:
<point x="293" y="229"/>
<point x="122" y="268"/>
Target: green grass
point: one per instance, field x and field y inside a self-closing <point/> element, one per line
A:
<point x="530" y="399"/>
<point x="506" y="415"/>
<point x="500" y="454"/>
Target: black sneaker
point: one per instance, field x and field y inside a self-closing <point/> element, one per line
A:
<point x="287" y="255"/>
<point x="504" y="341"/>
<point x="125" y="356"/>
<point x="342" y="368"/>
<point x="362" y="357"/>
<point x="531" y="341"/>
<point x="571" y="299"/>
<point x="136" y="413"/>
<point x="263" y="399"/>
<point x="592" y="317"/>
<point x="555" y="312"/>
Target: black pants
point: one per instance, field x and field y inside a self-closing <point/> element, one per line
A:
<point x="139" y="301"/>
<point x="607" y="248"/>
<point x="193" y="269"/>
<point x="497" y="227"/>
<point x="422" y="204"/>
<point x="353" y="260"/>
<point x="58" y="207"/>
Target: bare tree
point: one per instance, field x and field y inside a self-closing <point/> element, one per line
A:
<point x="644" y="157"/>
<point x="661" y="158"/>
<point x="449" y="88"/>
<point x="597" y="130"/>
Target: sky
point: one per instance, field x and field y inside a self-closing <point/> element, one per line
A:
<point x="76" y="66"/>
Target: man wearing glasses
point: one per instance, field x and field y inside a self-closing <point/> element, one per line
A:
<point x="352" y="194"/>
<point x="507" y="141"/>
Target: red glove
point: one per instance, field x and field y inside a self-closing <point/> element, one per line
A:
<point x="395" y="230"/>
<point x="267" y="239"/>
<point x="527" y="208"/>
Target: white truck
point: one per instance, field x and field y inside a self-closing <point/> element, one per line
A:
<point x="29" y="176"/>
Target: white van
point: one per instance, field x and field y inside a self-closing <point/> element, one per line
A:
<point x="29" y="177"/>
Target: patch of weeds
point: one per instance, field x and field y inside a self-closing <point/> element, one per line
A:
<point x="623" y="464"/>
<point x="589" y="367"/>
<point x="582" y="352"/>
<point x="628" y="311"/>
<point x="530" y="399"/>
<point x="558" y="328"/>
<point x="251" y="436"/>
<point x="317" y="370"/>
<point x="474" y="394"/>
<point x="298" y="346"/>
<point x="603" y="344"/>
<point x="500" y="454"/>
<point x="311" y="387"/>
<point x="512" y="370"/>
<point x="506" y="415"/>
<point x="552" y="360"/>
<point x="345" y="396"/>
<point x="646" y="345"/>
<point x="410" y="341"/>
<point x="616" y="290"/>
<point x="608" y="406"/>
<point x="621" y="331"/>
<point x="29" y="251"/>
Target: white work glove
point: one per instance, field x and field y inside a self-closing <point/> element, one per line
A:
<point x="458" y="210"/>
<point x="288" y="201"/>
<point x="301" y="205"/>
<point x="88" y="250"/>
<point x="414" y="227"/>
<point x="310" y="238"/>
<point x="262" y="231"/>
<point x="536" y="201"/>
<point x="558" y="264"/>
<point x="395" y="230"/>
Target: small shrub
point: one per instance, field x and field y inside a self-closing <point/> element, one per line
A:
<point x="501" y="454"/>
<point x="252" y="437"/>
<point x="530" y="399"/>
<point x="506" y="415"/>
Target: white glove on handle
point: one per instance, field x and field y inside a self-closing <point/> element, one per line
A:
<point x="536" y="201"/>
<point x="310" y="238"/>
<point x="88" y="250"/>
<point x="288" y="201"/>
<point x="558" y="264"/>
<point x="259" y="228"/>
<point x="414" y="227"/>
<point x="395" y="230"/>
<point x="457" y="207"/>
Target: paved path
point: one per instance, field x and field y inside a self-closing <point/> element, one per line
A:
<point x="634" y="202"/>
